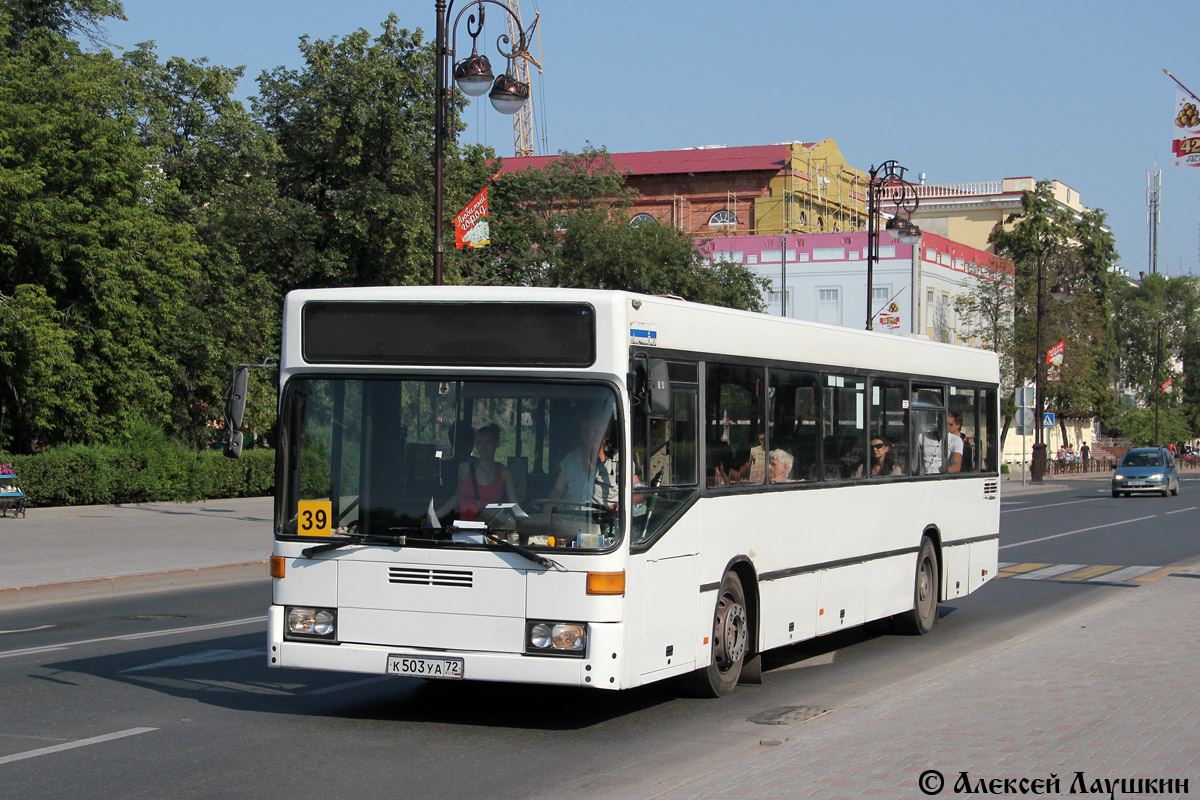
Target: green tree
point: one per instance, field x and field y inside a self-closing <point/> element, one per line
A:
<point x="1077" y="251"/>
<point x="28" y="20"/>
<point x="1152" y="325"/>
<point x="567" y="225"/>
<point x="224" y="164"/>
<point x="355" y="127"/>
<point x="85" y="243"/>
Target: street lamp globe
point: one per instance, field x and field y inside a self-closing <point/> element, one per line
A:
<point x="509" y="94"/>
<point x="474" y="75"/>
<point x="1064" y="294"/>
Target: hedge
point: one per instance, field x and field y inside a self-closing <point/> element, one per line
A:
<point x="156" y="471"/>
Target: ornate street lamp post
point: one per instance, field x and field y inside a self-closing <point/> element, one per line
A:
<point x="1063" y="295"/>
<point x="886" y="182"/>
<point x="474" y="77"/>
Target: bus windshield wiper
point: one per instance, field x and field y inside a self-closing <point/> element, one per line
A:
<point x="397" y="537"/>
<point x="524" y="552"/>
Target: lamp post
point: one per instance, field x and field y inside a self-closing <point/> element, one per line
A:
<point x="887" y="181"/>
<point x="1064" y="295"/>
<point x="474" y="77"/>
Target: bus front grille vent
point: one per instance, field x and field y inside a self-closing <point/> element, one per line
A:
<point x="991" y="489"/>
<point x="424" y="576"/>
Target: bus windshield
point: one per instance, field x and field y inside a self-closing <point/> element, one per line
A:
<point x="451" y="461"/>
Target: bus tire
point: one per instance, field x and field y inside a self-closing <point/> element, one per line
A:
<point x="730" y="640"/>
<point x="924" y="612"/>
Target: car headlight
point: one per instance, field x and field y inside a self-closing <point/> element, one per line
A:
<point x="311" y="623"/>
<point x="1118" y="476"/>
<point x="1158" y="476"/>
<point x="555" y="638"/>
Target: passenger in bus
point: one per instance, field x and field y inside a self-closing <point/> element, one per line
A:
<point x="882" y="462"/>
<point x="483" y="481"/>
<point x="780" y="467"/>
<point x="954" y="449"/>
<point x="589" y="473"/>
<point x="967" y="461"/>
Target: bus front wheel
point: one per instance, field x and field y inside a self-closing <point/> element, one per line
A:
<point x="730" y="638"/>
<point x="925" y="594"/>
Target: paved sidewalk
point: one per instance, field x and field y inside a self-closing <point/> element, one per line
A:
<point x="1109" y="692"/>
<point x="69" y="553"/>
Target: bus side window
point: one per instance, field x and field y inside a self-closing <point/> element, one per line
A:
<point x="734" y="400"/>
<point x="795" y="418"/>
<point x="845" y="425"/>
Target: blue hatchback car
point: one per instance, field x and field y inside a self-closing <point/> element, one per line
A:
<point x="1146" y="469"/>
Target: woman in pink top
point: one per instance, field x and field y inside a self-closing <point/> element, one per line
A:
<point x="483" y="481"/>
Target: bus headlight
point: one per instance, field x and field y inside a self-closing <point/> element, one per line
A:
<point x="311" y="623"/>
<point x="555" y="638"/>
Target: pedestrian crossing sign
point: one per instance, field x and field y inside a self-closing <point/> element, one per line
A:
<point x="1048" y="419"/>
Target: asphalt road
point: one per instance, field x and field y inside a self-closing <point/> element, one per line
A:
<point x="169" y="695"/>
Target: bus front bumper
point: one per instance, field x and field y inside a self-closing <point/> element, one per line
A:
<point x="599" y="668"/>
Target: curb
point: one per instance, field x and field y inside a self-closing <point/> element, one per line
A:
<point x="143" y="583"/>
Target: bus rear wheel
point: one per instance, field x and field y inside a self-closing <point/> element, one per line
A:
<point x="730" y="638"/>
<point x="923" y="615"/>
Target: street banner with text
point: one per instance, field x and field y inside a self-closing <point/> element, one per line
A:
<point x="471" y="224"/>
<point x="1185" y="138"/>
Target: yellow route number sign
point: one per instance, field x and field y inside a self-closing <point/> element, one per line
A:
<point x="313" y="517"/>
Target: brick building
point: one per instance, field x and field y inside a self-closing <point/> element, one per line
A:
<point x="796" y="187"/>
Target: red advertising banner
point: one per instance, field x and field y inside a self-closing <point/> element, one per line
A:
<point x="471" y="224"/>
<point x="1055" y="354"/>
<point x="1168" y="386"/>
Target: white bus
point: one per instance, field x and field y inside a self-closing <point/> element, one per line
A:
<point x="660" y="488"/>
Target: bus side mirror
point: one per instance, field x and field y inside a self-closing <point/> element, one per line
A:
<point x="653" y="387"/>
<point x="235" y="410"/>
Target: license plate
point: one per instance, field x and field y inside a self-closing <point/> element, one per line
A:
<point x="1137" y="483"/>
<point x="424" y="666"/>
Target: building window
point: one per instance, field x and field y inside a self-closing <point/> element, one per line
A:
<point x="773" y="299"/>
<point x="829" y="254"/>
<point x="641" y="219"/>
<point x="722" y="218"/>
<point x="829" y="306"/>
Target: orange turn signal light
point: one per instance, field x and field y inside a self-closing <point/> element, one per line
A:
<point x="277" y="566"/>
<point x="606" y="583"/>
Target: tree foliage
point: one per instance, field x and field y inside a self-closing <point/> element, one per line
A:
<point x="1156" y="326"/>
<point x="1076" y="251"/>
<point x="86" y="244"/>
<point x="355" y="130"/>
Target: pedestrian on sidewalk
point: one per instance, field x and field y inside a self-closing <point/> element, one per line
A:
<point x="1085" y="455"/>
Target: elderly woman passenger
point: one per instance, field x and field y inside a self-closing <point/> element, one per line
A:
<point x="779" y="466"/>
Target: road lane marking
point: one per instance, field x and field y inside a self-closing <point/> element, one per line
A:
<point x="1047" y="572"/>
<point x="1178" y="511"/>
<point x="108" y="737"/>
<point x="130" y="636"/>
<point x="1129" y="573"/>
<point x="27" y="630"/>
<point x="1053" y="505"/>
<point x="1016" y="568"/>
<point x="203" y="657"/>
<point x="1153" y="576"/>
<point x="1090" y="572"/>
<point x="1080" y="530"/>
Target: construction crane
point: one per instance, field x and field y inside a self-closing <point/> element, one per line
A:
<point x="523" y="120"/>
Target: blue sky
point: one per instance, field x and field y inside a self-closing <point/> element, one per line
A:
<point x="1056" y="89"/>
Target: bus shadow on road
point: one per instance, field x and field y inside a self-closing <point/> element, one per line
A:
<point x="231" y="672"/>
